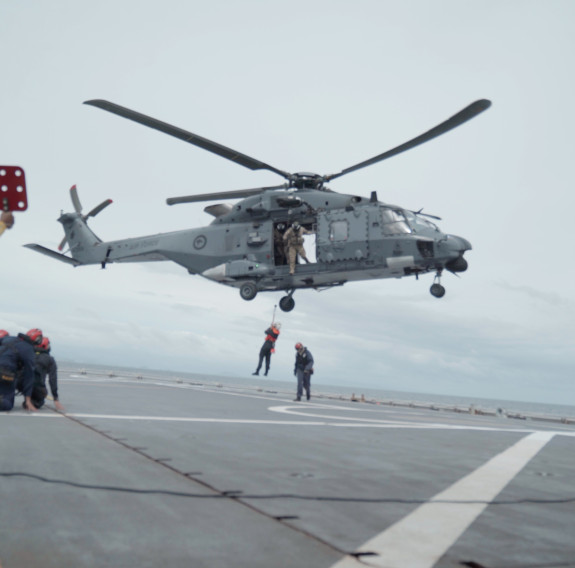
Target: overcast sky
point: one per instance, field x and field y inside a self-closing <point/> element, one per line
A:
<point x="314" y="85"/>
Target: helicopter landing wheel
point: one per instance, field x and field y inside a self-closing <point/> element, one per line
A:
<point x="248" y="291"/>
<point x="287" y="304"/>
<point x="437" y="290"/>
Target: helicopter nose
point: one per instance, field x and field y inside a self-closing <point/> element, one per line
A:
<point x="457" y="244"/>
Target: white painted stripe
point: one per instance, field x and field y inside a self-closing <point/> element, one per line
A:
<point x="335" y="424"/>
<point x="421" y="538"/>
<point x="206" y="420"/>
<point x="318" y="423"/>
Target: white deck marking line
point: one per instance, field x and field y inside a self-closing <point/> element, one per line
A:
<point x="208" y="420"/>
<point x="421" y="538"/>
<point x="349" y="422"/>
<point x="370" y="424"/>
<point x="322" y="423"/>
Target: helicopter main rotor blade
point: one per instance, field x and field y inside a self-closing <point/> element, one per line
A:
<point x="220" y="195"/>
<point x="98" y="208"/>
<point x="456" y="120"/>
<point x="214" y="147"/>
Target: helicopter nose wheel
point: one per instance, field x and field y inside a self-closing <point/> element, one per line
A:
<point x="248" y="291"/>
<point x="287" y="303"/>
<point x="437" y="290"/>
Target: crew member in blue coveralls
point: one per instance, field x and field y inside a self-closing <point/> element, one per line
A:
<point x="17" y="361"/>
<point x="303" y="370"/>
<point x="45" y="367"/>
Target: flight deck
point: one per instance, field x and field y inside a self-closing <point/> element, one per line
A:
<point x="156" y="472"/>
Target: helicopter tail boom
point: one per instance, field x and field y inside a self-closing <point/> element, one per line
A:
<point x="86" y="247"/>
<point x="83" y="243"/>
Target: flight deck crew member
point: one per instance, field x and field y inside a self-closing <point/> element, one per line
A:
<point x="17" y="363"/>
<point x="303" y="371"/>
<point x="45" y="367"/>
<point x="272" y="333"/>
<point x="293" y="241"/>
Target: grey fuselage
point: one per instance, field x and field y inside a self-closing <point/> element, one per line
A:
<point x="355" y="239"/>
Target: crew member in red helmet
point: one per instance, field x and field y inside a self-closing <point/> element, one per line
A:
<point x="17" y="365"/>
<point x="303" y="371"/>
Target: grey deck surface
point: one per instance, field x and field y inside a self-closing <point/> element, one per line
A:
<point x="149" y="473"/>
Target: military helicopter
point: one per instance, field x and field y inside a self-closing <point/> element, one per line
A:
<point x="356" y="238"/>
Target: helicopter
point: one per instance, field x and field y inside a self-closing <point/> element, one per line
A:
<point x="356" y="238"/>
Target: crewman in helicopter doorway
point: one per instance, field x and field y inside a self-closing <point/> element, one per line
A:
<point x="272" y="333"/>
<point x="293" y="242"/>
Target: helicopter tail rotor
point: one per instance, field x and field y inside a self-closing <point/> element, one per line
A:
<point x="78" y="209"/>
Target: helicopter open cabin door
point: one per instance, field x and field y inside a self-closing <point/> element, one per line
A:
<point x="342" y="235"/>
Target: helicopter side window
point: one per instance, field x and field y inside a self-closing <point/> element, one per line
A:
<point x="338" y="231"/>
<point x="394" y="222"/>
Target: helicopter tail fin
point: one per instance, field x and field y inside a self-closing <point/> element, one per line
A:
<point x="80" y="238"/>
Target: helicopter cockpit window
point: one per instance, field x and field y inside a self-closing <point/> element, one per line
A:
<point x="418" y="221"/>
<point x="338" y="231"/>
<point x="394" y="222"/>
<point x="415" y="220"/>
<point x="429" y="224"/>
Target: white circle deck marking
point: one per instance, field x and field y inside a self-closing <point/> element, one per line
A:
<point x="310" y="410"/>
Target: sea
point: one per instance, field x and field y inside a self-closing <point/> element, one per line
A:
<point x="373" y="395"/>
